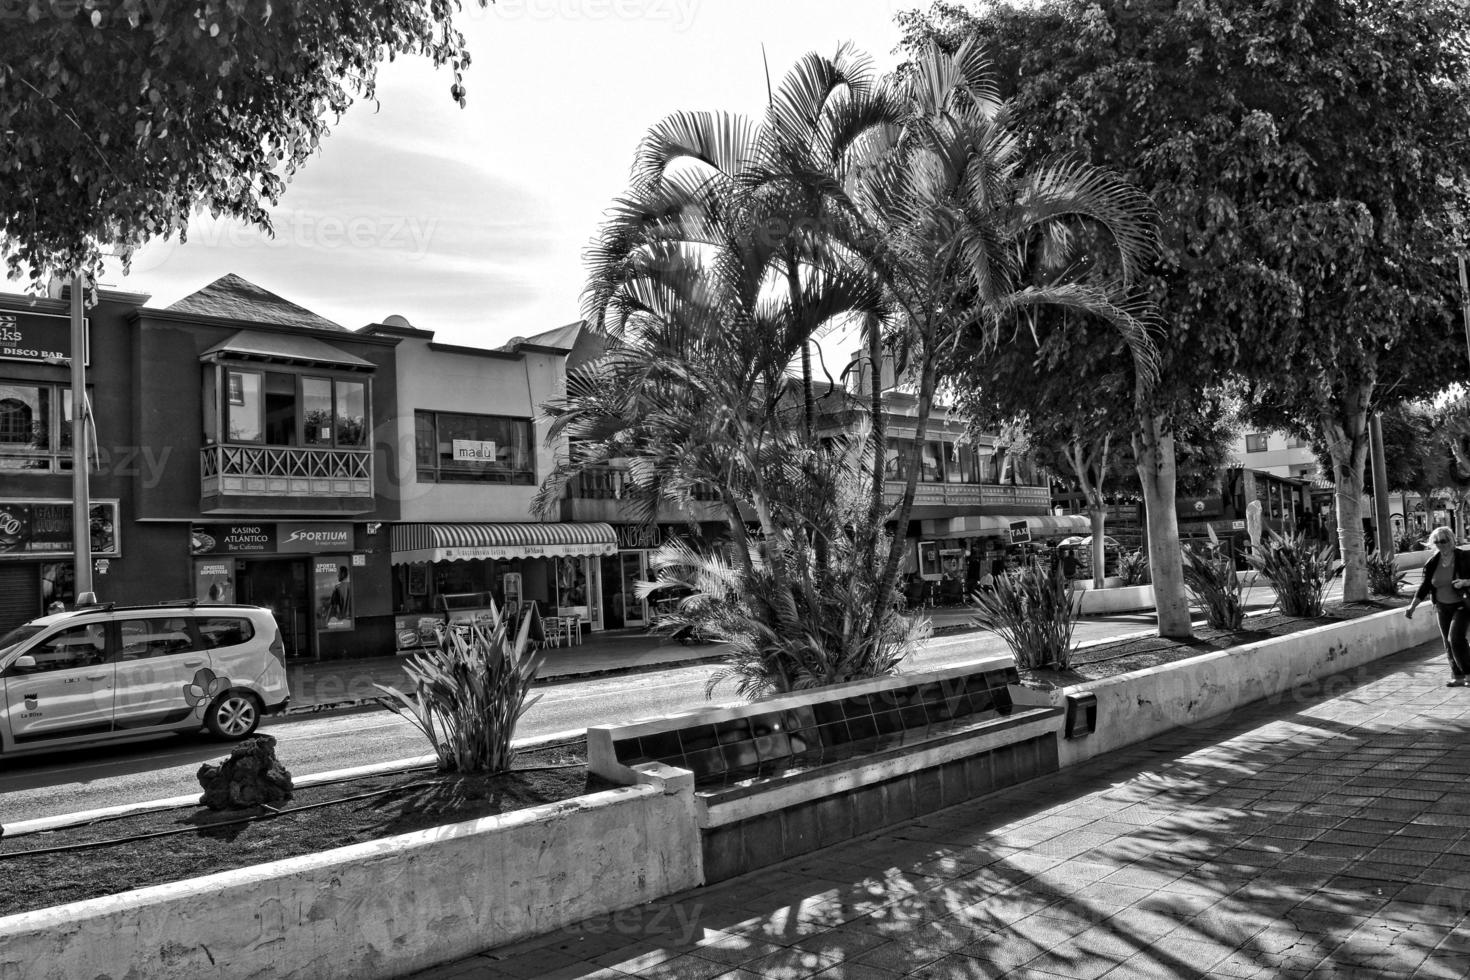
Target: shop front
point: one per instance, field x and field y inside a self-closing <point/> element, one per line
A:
<point x="962" y="550"/>
<point x="36" y="549"/>
<point x="307" y="574"/>
<point x="452" y="573"/>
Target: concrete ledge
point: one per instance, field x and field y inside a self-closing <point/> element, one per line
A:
<point x="1132" y="707"/>
<point x="383" y="908"/>
<point x="841" y="779"/>
<point x="1406" y="560"/>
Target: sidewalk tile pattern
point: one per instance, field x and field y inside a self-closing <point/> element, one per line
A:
<point x="1322" y="833"/>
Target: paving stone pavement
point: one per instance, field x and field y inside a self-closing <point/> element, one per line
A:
<point x="1323" y="833"/>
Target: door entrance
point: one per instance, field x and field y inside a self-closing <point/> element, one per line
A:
<point x="279" y="584"/>
<point x="622" y="609"/>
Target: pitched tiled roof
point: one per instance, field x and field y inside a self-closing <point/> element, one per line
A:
<point x="563" y="338"/>
<point x="240" y="299"/>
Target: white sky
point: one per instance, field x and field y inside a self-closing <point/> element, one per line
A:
<point x="472" y="222"/>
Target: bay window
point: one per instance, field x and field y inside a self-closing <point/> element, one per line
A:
<point x="279" y="408"/>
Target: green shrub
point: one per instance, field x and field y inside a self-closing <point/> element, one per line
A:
<point x="1133" y="567"/>
<point x="1299" y="570"/>
<point x="1032" y="611"/>
<point x="1384" y="577"/>
<point x="470" y="691"/>
<point x="1209" y="575"/>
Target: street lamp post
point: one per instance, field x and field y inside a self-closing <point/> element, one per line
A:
<point x="81" y="500"/>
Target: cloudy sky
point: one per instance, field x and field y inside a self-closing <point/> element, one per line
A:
<point x="472" y="222"/>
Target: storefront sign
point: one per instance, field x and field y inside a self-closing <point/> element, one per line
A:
<point x="632" y="537"/>
<point x="269" y="539"/>
<point x="331" y="580"/>
<point x="44" y="527"/>
<point x="30" y="336"/>
<point x="313" y="538"/>
<point x="1020" y="532"/>
<point x="232" y="539"/>
<point x="472" y="451"/>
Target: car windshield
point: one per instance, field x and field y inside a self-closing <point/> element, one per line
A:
<point x="17" y="636"/>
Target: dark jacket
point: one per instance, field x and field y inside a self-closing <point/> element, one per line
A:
<point x="1462" y="570"/>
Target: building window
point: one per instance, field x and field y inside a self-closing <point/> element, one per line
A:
<point x="1295" y="442"/>
<point x="1255" y="442"/>
<point x="35" y="428"/>
<point x="456" y="448"/>
<point x="285" y="409"/>
<point x="931" y="463"/>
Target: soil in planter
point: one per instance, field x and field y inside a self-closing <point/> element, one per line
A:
<point x="402" y="802"/>
<point x="1122" y="656"/>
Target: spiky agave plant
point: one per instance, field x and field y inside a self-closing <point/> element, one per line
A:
<point x="1299" y="570"/>
<point x="1209" y="575"/>
<point x="470" y="691"/>
<point x="1031" y="610"/>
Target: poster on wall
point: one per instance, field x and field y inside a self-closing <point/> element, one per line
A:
<point x="214" y="581"/>
<point x="331" y="580"/>
<point x="571" y="583"/>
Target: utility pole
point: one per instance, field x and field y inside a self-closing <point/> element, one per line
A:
<point x="1464" y="300"/>
<point x="1381" y="521"/>
<point x="81" y="498"/>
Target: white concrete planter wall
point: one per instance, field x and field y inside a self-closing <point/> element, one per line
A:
<point x="1405" y="560"/>
<point x="1114" y="599"/>
<point x="1134" y="706"/>
<point x="382" y="908"/>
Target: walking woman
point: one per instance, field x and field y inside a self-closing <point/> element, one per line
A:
<point x="1446" y="577"/>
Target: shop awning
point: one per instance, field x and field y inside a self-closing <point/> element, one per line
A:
<point x="257" y="345"/>
<point x="463" y="542"/>
<point x="1041" y="525"/>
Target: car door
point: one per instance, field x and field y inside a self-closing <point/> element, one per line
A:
<point x="67" y="693"/>
<point x="157" y="659"/>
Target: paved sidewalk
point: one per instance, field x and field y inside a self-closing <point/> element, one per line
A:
<point x="1325" y="833"/>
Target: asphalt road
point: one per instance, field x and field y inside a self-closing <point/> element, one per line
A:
<point x="44" y="785"/>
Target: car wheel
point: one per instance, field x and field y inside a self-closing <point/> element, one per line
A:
<point x="233" y="716"/>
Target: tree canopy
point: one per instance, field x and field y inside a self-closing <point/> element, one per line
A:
<point x="121" y="118"/>
<point x="1309" y="196"/>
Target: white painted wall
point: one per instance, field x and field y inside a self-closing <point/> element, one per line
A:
<point x="478" y="383"/>
<point x="384" y="908"/>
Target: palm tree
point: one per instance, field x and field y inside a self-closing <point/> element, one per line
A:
<point x="969" y="244"/>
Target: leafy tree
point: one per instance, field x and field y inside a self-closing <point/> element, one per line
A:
<point x="122" y="117"/>
<point x="1294" y="152"/>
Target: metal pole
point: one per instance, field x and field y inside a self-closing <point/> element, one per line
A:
<point x="1464" y="300"/>
<point x="81" y="500"/>
<point x="1381" y="520"/>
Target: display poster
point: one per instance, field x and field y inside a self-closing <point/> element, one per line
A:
<point x="214" y="581"/>
<point x="571" y="582"/>
<point x="928" y="558"/>
<point x="418" y="578"/>
<point x="44" y="527"/>
<point x="331" y="579"/>
<point x="510" y="588"/>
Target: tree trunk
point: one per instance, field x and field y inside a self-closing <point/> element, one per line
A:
<point x="1347" y="444"/>
<point x="1154" y="449"/>
<point x="1348" y="447"/>
<point x="1097" y="513"/>
<point x="927" y="379"/>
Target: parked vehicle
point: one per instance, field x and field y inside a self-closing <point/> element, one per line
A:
<point x="111" y="673"/>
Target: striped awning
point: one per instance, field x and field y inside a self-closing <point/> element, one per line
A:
<point x="464" y="542"/>
<point x="1040" y="525"/>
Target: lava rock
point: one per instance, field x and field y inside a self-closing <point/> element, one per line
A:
<point x="250" y="777"/>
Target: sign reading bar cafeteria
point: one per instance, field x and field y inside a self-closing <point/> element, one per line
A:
<point x="29" y="336"/>
<point x="269" y="539"/>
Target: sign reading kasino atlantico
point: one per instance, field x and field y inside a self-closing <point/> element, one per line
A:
<point x="272" y="539"/>
<point x="29" y="336"/>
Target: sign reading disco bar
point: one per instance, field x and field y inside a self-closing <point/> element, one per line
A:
<point x="26" y="335"/>
<point x="269" y="539"/>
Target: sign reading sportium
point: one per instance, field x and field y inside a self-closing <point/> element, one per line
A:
<point x="26" y="335"/>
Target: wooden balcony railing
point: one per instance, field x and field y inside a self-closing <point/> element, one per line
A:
<point x="285" y="471"/>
